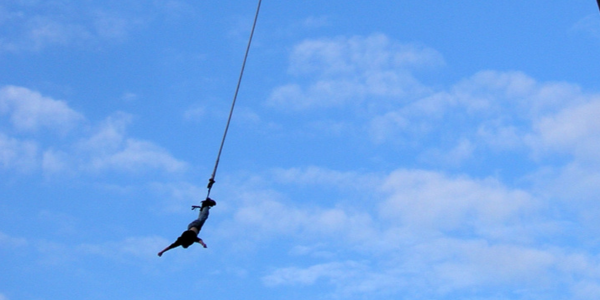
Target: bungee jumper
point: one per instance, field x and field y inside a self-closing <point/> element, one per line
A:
<point x="190" y="236"/>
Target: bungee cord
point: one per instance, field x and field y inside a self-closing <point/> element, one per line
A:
<point x="211" y="181"/>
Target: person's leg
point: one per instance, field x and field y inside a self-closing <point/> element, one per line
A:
<point x="202" y="216"/>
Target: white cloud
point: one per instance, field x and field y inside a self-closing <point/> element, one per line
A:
<point x="491" y="110"/>
<point x="588" y="25"/>
<point x="195" y="113"/>
<point x="127" y="249"/>
<point x="489" y="90"/>
<point x="54" y="162"/>
<point x="503" y="93"/>
<point x="313" y="175"/>
<point x="502" y="111"/>
<point x="441" y="267"/>
<point x="129" y="97"/>
<point x="173" y="8"/>
<point x="135" y="155"/>
<point x="574" y="130"/>
<point x="35" y="31"/>
<point x="452" y="157"/>
<point x="383" y="128"/>
<point x="265" y="215"/>
<point x="501" y="136"/>
<point x="358" y="54"/>
<point x="30" y="111"/>
<point x="586" y="289"/>
<point x="488" y="97"/>
<point x="107" y="148"/>
<point x="43" y="31"/>
<point x="7" y="241"/>
<point x="346" y="70"/>
<point x="498" y="111"/>
<point x="431" y="201"/>
<point x="110" y="149"/>
<point x="110" y="135"/>
<point x="461" y="233"/>
<point x="334" y="272"/>
<point x="316" y="22"/>
<point x="110" y="25"/>
<point x="20" y="155"/>
<point x="262" y="215"/>
<point x="574" y="190"/>
<point x="179" y="196"/>
<point x="481" y="263"/>
<point x="37" y="25"/>
<point x="421" y="201"/>
<point x="432" y="232"/>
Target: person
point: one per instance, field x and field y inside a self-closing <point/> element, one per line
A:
<point x="190" y="236"/>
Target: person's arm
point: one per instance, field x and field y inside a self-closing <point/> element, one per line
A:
<point x="174" y="245"/>
<point x="201" y="242"/>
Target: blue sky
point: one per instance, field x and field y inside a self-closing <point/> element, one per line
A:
<point x="380" y="150"/>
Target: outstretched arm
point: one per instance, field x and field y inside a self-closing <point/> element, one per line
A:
<point x="201" y="242"/>
<point x="167" y="249"/>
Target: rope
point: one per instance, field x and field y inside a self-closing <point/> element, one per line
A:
<point x="211" y="181"/>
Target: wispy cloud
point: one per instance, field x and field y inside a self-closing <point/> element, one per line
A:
<point x="131" y="249"/>
<point x="18" y="154"/>
<point x="343" y="71"/>
<point x="315" y="22"/>
<point x="110" y="148"/>
<point x="574" y="130"/>
<point x="429" y="233"/>
<point x="431" y="201"/>
<point x="30" y="111"/>
<point x="37" y="25"/>
<point x="314" y="175"/>
<point x="7" y="241"/>
<point x="105" y="148"/>
<point x="498" y="111"/>
<point x="432" y="234"/>
<point x="333" y="272"/>
<point x="138" y="248"/>
<point x="588" y="25"/>
<point x="370" y="80"/>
